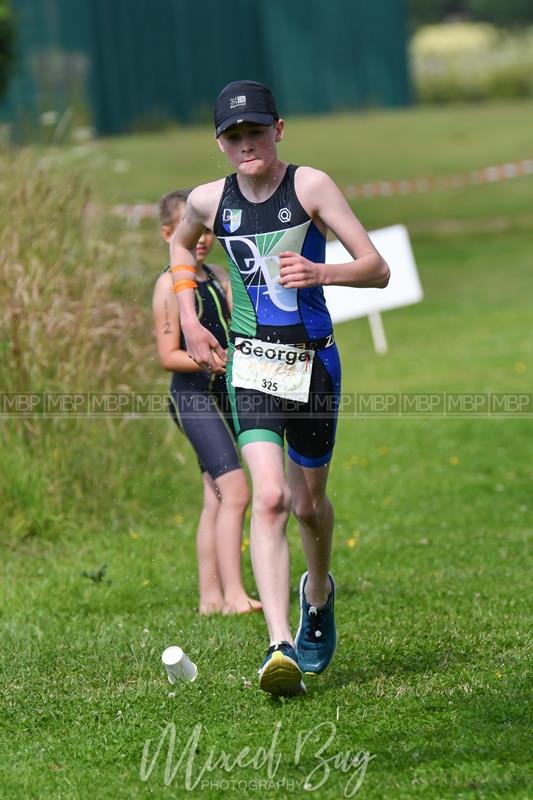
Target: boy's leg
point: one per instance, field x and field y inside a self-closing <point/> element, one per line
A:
<point x="314" y="513"/>
<point x="316" y="637"/>
<point x="260" y="428"/>
<point x="268" y="540"/>
<point x="310" y="436"/>
<point x="280" y="673"/>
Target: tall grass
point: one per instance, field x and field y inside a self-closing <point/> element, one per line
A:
<point x="68" y="324"/>
<point x="67" y="329"/>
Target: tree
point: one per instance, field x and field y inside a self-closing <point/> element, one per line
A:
<point x="7" y="45"/>
<point x="423" y="13"/>
<point x="506" y="14"/>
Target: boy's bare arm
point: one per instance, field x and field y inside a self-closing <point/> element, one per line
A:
<point x="325" y="204"/>
<point x="201" y="207"/>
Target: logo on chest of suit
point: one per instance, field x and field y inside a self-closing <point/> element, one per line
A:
<point x="259" y="270"/>
<point x="231" y="219"/>
<point x="284" y="215"/>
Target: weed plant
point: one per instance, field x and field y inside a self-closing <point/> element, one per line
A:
<point x="68" y="325"/>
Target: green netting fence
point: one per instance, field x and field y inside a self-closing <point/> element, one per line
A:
<point x="126" y="64"/>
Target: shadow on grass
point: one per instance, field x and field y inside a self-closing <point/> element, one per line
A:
<point x="479" y="743"/>
<point x="411" y="660"/>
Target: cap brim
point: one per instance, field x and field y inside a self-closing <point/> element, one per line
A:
<point x="236" y="119"/>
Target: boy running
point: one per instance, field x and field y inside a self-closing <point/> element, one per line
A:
<point x="283" y="368"/>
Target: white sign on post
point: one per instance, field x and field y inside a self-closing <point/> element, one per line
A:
<point x="404" y="287"/>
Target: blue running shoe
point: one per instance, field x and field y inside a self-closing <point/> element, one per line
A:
<point x="280" y="674"/>
<point x="316" y="637"/>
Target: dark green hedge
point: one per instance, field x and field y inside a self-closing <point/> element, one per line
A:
<point x="7" y="44"/>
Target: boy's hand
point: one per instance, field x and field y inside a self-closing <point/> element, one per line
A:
<point x="297" y="272"/>
<point x="205" y="349"/>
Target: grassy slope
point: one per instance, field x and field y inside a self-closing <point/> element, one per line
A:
<point x="375" y="146"/>
<point x="433" y="518"/>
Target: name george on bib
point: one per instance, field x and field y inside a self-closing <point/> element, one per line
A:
<point x="277" y="369"/>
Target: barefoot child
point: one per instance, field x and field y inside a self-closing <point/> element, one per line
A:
<point x="199" y="406"/>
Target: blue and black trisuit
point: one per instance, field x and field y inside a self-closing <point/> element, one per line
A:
<point x="253" y="234"/>
<point x="199" y="403"/>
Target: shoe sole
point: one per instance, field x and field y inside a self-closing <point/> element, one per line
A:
<point x="300" y="595"/>
<point x="282" y="676"/>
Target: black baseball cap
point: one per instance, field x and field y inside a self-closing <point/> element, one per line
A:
<point x="244" y="101"/>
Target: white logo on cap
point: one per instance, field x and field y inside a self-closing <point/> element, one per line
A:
<point x="240" y="100"/>
<point x="284" y="215"/>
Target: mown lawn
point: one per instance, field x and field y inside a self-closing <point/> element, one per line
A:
<point x="373" y="146"/>
<point x="429" y="692"/>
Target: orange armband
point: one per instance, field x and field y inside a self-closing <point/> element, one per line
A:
<point x="185" y="283"/>
<point x="184" y="267"/>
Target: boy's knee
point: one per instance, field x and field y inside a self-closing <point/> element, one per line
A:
<point x="273" y="499"/>
<point x="309" y="510"/>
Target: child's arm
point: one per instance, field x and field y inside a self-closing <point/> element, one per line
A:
<point x="167" y="328"/>
<point x="201" y="206"/>
<point x="325" y="204"/>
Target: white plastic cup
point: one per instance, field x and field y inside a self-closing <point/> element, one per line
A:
<point x="178" y="666"/>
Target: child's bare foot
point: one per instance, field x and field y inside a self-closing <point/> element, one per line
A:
<point x="208" y="607"/>
<point x="242" y="605"/>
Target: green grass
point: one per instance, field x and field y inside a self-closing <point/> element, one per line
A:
<point x="433" y="522"/>
<point x="377" y="145"/>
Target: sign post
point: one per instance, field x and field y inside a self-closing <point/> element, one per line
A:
<point x="404" y="287"/>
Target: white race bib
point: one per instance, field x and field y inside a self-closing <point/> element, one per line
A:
<point x="278" y="369"/>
